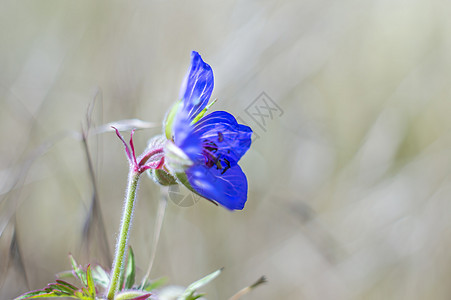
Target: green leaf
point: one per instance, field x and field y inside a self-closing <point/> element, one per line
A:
<point x="132" y="295"/>
<point x="130" y="271"/>
<point x="191" y="289"/>
<point x="57" y="288"/>
<point x="148" y="286"/>
<point x="53" y="290"/>
<point x="82" y="295"/>
<point x="91" y="289"/>
<point x="78" y="271"/>
<point x="66" y="285"/>
<point x="194" y="297"/>
<point x="100" y="277"/>
<point x="42" y="294"/>
<point x="63" y="289"/>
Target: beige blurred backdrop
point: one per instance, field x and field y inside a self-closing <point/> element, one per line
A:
<point x="349" y="173"/>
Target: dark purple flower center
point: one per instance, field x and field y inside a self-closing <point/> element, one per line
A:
<point x="212" y="155"/>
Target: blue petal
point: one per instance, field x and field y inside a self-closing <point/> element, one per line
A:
<point x="185" y="137"/>
<point x="228" y="189"/>
<point x="197" y="86"/>
<point x="221" y="128"/>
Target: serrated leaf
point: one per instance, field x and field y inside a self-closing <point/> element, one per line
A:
<point x="132" y="295"/>
<point x="191" y="289"/>
<point x="52" y="290"/>
<point x="67" y="285"/>
<point x="130" y="271"/>
<point x="44" y="295"/>
<point x="31" y="295"/>
<point x="63" y="289"/>
<point x="48" y="292"/>
<point x="57" y="288"/>
<point x="90" y="283"/>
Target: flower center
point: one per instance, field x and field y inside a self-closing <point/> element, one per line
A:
<point x="212" y="157"/>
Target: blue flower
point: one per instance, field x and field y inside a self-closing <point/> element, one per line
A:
<point x="203" y="150"/>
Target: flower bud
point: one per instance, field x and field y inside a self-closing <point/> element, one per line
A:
<point x="175" y="158"/>
<point x="162" y="177"/>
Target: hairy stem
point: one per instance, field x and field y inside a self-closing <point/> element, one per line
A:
<point x="122" y="240"/>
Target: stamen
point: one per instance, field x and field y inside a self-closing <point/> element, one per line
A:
<point x="227" y="165"/>
<point x="220" y="137"/>
<point x="212" y="157"/>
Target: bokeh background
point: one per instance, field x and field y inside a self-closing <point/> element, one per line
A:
<point x="349" y="180"/>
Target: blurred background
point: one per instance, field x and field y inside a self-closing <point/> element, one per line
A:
<point x="349" y="173"/>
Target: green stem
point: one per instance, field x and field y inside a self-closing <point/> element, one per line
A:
<point x="122" y="240"/>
